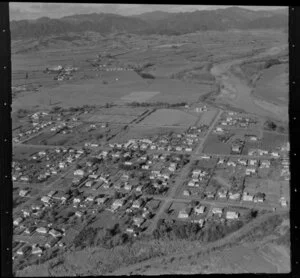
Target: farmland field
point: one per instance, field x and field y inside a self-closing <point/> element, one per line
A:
<point x="214" y="146"/>
<point x="139" y="132"/>
<point x="169" y="117"/>
<point x="23" y="152"/>
<point x="273" y="84"/>
<point x="207" y="117"/>
<point x="78" y="136"/>
<point x="139" y="96"/>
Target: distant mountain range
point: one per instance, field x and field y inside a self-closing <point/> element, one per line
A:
<point x="156" y="22"/>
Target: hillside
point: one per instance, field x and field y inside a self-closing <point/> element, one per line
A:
<point x="152" y="23"/>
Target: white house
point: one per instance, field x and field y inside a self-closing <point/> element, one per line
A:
<point x="42" y="230"/>
<point x="217" y="210"/>
<point x="250" y="171"/>
<point x="45" y="199"/>
<point x="117" y="204"/>
<point x="17" y="221"/>
<point x="199" y="209"/>
<point x="136" y="204"/>
<point x="23" y="193"/>
<point x="186" y="193"/>
<point x="79" y="172"/>
<point x="232" y="215"/>
<point x="247" y="197"/>
<point x="199" y="221"/>
<point x="183" y="214"/>
<point x="55" y="233"/>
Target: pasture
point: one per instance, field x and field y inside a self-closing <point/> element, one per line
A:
<point x="207" y="117"/>
<point x="273" y="84"/>
<point x="213" y="145"/>
<point x="169" y="117"/>
<point x="23" y="152"/>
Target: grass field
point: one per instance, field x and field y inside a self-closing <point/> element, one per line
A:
<point x="214" y="146"/>
<point x="22" y="152"/>
<point x="169" y="117"/>
<point x="207" y="117"/>
<point x="273" y="84"/>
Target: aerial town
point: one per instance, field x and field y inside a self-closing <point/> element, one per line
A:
<point x="140" y="166"/>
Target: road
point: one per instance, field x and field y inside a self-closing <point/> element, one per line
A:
<point x="166" y="201"/>
<point x="200" y="146"/>
<point x="221" y="203"/>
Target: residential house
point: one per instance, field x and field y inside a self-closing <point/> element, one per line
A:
<point x="101" y="201"/>
<point x="55" y="233"/>
<point x="232" y="215"/>
<point x="79" y="172"/>
<point x="139" y="188"/>
<point x="200" y="222"/>
<point x="51" y="193"/>
<point x="17" y="221"/>
<point x="130" y="230"/>
<point x="283" y="202"/>
<point x="236" y="148"/>
<point x="183" y="214"/>
<point x="89" y="183"/>
<point x="89" y="199"/>
<point x="252" y="162"/>
<point x="259" y="197"/>
<point x="29" y="230"/>
<point x="78" y="214"/>
<point x="117" y="204"/>
<point x="138" y="221"/>
<point x="217" y="211"/>
<point x="52" y="242"/>
<point x="247" y="197"/>
<point x="250" y="171"/>
<point x="42" y="230"/>
<point x="127" y="186"/>
<point x="36" y="250"/>
<point x="186" y="193"/>
<point x="199" y="209"/>
<point x="137" y="204"/>
<point x="222" y="193"/>
<point x="45" y="199"/>
<point x="275" y="154"/>
<point x="23" y="193"/>
<point x="231" y="163"/>
<point x="265" y="164"/>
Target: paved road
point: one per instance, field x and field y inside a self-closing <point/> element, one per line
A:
<point x="166" y="200"/>
<point x="222" y="203"/>
<point x="200" y="146"/>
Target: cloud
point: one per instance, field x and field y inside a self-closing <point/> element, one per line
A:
<point x="56" y="10"/>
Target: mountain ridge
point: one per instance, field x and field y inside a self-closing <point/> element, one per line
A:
<point x="156" y="22"/>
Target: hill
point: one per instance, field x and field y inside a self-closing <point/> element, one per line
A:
<point x="156" y="22"/>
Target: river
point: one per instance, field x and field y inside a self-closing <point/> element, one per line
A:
<point x="237" y="92"/>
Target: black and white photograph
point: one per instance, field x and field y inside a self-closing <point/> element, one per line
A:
<point x="149" y="139"/>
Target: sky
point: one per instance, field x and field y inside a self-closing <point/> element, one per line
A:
<point x="56" y="10"/>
